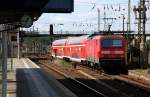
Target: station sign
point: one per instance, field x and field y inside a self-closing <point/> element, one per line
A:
<point x="59" y="6"/>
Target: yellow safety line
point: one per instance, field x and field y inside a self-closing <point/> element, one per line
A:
<point x="7" y="95"/>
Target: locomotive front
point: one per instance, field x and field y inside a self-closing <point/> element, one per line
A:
<point x="113" y="50"/>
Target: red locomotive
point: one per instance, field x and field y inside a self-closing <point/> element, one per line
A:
<point x="100" y="51"/>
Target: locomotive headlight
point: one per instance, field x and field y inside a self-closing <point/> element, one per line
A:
<point x="105" y="52"/>
<point x="118" y="52"/>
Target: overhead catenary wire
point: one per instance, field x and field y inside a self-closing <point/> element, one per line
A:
<point x="113" y="9"/>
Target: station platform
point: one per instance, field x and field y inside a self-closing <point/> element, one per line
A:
<point x="143" y="74"/>
<point x="26" y="79"/>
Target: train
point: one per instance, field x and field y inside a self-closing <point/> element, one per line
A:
<point x="106" y="52"/>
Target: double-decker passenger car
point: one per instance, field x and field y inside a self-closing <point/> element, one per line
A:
<point x="77" y="48"/>
<point x="58" y="48"/>
<point x="100" y="51"/>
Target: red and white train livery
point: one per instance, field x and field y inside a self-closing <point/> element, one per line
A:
<point x="106" y="51"/>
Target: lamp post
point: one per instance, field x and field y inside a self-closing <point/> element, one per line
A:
<point x="129" y="16"/>
<point x="98" y="10"/>
<point x="123" y="18"/>
<point x="61" y="31"/>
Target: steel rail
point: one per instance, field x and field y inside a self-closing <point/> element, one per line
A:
<point x="124" y="79"/>
<point x="73" y="79"/>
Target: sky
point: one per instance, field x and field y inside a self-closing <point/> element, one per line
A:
<point x="85" y="16"/>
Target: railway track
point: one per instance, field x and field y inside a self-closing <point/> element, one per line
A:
<point x="76" y="86"/>
<point x="114" y="83"/>
<point x="121" y="77"/>
<point x="139" y="86"/>
<point x="137" y="80"/>
<point x="99" y="94"/>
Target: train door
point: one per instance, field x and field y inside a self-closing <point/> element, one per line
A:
<point x="88" y="47"/>
<point x="65" y="51"/>
<point x="93" y="49"/>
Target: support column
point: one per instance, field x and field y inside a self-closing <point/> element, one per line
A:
<point x="4" y="63"/>
<point x="18" y="42"/>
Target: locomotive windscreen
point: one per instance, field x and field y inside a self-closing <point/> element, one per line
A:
<point x="112" y="43"/>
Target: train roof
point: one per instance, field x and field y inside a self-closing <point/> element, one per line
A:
<point x="96" y="35"/>
<point x="113" y="36"/>
<point x="60" y="42"/>
<point x="77" y="40"/>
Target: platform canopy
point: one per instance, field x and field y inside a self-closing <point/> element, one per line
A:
<point x="56" y="6"/>
<point x="15" y="10"/>
<point x="59" y="6"/>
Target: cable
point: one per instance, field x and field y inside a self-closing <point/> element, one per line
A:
<point x="101" y="3"/>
